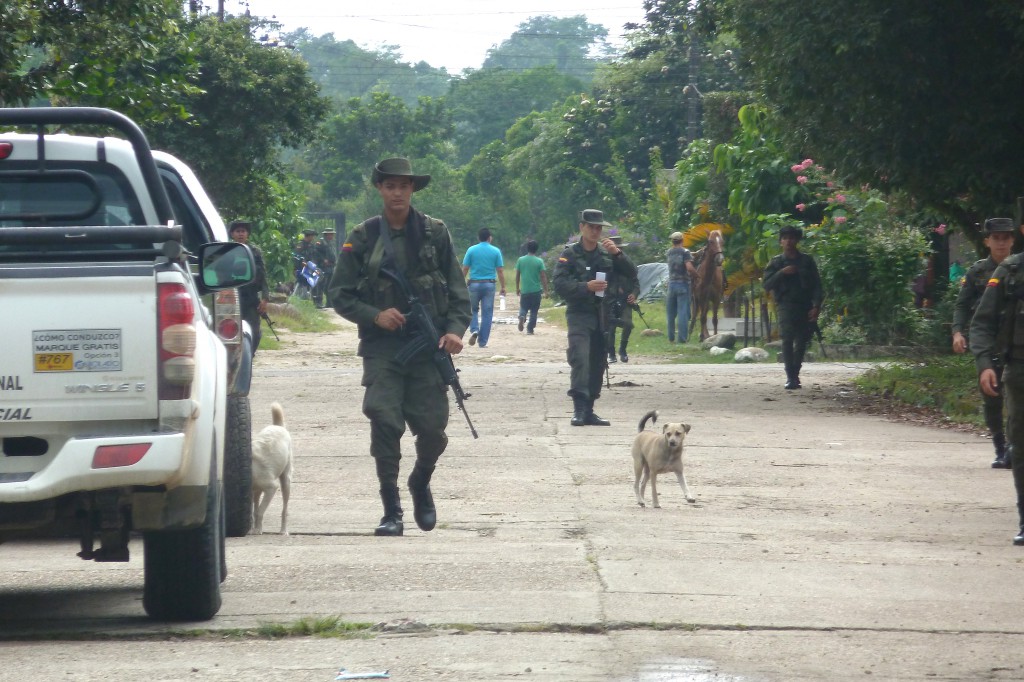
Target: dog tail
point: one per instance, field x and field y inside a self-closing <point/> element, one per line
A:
<point x="652" y="415"/>
<point x="277" y="412"/>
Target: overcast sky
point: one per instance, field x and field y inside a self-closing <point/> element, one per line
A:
<point x="455" y="34"/>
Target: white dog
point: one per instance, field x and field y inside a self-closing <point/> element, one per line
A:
<point x="271" y="465"/>
<point x="658" y="453"/>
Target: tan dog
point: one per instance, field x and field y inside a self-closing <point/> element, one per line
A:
<point x="271" y="466"/>
<point x="658" y="453"/>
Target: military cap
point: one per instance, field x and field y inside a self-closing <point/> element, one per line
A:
<point x="398" y="168"/>
<point x="306" y="233"/>
<point x="329" y="230"/>
<point x="592" y="216"/>
<point x="676" y="236"/>
<point x="792" y="231"/>
<point x="1000" y="225"/>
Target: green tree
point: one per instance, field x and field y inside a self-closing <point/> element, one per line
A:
<point x="344" y="70"/>
<point x="128" y="55"/>
<point x="255" y="101"/>
<point x="365" y="131"/>
<point x="572" y="45"/>
<point x="922" y="97"/>
<point x="487" y="102"/>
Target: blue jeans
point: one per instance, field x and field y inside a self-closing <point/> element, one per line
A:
<point x="677" y="307"/>
<point x="529" y="304"/>
<point x="481" y="300"/>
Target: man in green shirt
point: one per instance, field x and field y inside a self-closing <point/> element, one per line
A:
<point x="531" y="284"/>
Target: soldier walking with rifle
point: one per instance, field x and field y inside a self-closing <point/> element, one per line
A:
<point x="621" y="301"/>
<point x="398" y="278"/>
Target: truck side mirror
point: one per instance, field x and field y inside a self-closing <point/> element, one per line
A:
<point x="223" y="265"/>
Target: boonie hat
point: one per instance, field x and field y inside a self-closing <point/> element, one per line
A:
<point x="1000" y="225"/>
<point x="398" y="167"/>
<point x="592" y="216"/>
<point x="329" y="230"/>
<point x="616" y="238"/>
<point x="247" y="226"/>
<point x="676" y="236"/>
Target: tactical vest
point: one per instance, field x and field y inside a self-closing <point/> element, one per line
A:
<point x="426" y="269"/>
<point x="579" y="261"/>
<point x="1011" y="333"/>
<point x="981" y="273"/>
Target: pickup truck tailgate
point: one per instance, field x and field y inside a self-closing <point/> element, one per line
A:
<point x="80" y="344"/>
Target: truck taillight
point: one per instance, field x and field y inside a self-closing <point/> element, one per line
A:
<point x="177" y="335"/>
<point x="227" y="315"/>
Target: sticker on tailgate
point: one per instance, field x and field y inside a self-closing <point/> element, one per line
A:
<point x="76" y="350"/>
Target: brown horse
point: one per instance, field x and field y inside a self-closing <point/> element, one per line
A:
<point x="709" y="287"/>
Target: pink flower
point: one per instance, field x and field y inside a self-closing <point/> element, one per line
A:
<point x="840" y="219"/>
<point x="830" y="184"/>
<point x="801" y="179"/>
<point x="796" y="168"/>
<point x="808" y="163"/>
<point x="840" y="198"/>
<point x="941" y="229"/>
<point x="801" y="207"/>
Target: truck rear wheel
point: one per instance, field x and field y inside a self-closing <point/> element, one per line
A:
<point x="183" y="567"/>
<point x="238" y="467"/>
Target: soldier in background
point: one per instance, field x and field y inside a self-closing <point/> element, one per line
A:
<point x="619" y="301"/>
<point x="581" y="278"/>
<point x="792" y="278"/>
<point x="999" y="234"/>
<point x="997" y="339"/>
<point x="252" y="297"/>
<point x="328" y="248"/>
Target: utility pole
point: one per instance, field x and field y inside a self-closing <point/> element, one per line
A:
<point x="694" y="94"/>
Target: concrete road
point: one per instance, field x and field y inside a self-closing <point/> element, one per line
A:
<point x="823" y="545"/>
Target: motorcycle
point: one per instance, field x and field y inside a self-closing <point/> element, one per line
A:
<point x="307" y="276"/>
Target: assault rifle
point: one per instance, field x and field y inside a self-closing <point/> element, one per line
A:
<point x="425" y="339"/>
<point x="270" y="324"/>
<point x="816" y="331"/>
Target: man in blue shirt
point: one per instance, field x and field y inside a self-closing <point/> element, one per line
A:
<point x="482" y="264"/>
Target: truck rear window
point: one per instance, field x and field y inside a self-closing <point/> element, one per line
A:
<point x="65" y="195"/>
<point x="61" y="198"/>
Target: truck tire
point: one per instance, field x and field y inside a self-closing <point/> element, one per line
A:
<point x="183" y="567"/>
<point x="238" y="467"/>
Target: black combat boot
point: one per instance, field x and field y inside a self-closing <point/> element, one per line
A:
<point x="591" y="419"/>
<point x="1002" y="461"/>
<point x="1018" y="539"/>
<point x="611" y="357"/>
<point x="391" y="522"/>
<point x="623" y="355"/>
<point x="579" y="411"/>
<point x="423" y="509"/>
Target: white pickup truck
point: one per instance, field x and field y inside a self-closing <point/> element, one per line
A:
<point x="114" y="381"/>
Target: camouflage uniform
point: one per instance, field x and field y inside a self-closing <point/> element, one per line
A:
<point x="397" y="394"/>
<point x="997" y="338"/>
<point x="619" y="313"/>
<point x="794" y="295"/>
<point x="583" y="313"/>
<point x="975" y="281"/>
